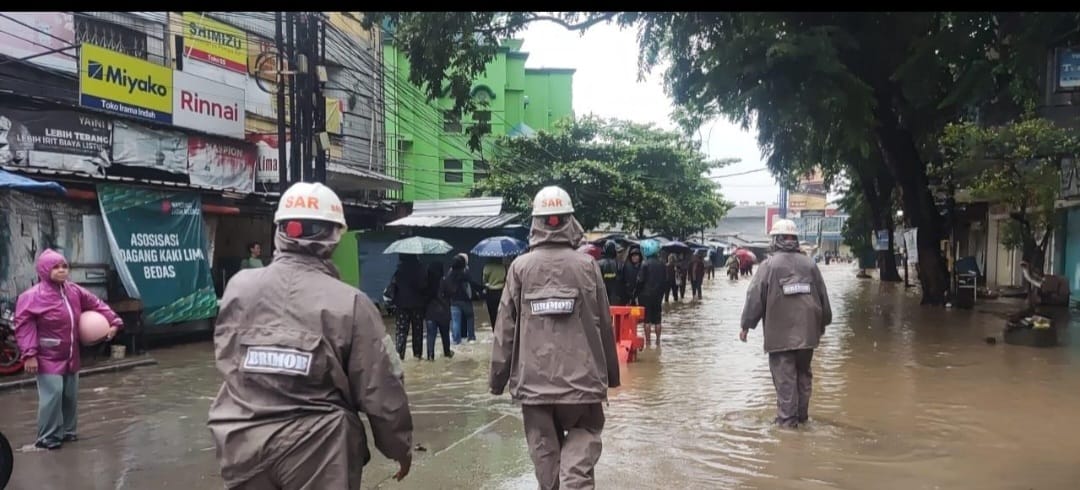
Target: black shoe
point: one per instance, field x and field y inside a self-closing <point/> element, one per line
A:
<point x="449" y="355"/>
<point x="47" y="445"/>
<point x="71" y="438"/>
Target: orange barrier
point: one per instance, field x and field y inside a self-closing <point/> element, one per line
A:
<point x="624" y="320"/>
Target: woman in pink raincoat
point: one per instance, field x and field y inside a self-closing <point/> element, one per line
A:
<point x="46" y="321"/>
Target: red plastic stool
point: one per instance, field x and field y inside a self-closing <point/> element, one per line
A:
<point x="624" y="320"/>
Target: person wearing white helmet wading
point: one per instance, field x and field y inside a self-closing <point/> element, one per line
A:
<point x="555" y="347"/>
<point x="302" y="353"/>
<point x="789" y="293"/>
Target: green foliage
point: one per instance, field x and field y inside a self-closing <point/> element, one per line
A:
<point x="1016" y="164"/>
<point x="616" y="171"/>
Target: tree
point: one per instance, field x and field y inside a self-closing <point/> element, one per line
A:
<point x="616" y="171"/>
<point x="819" y="85"/>
<point x="1018" y="165"/>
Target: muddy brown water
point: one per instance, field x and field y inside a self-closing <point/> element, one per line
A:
<point x="905" y="397"/>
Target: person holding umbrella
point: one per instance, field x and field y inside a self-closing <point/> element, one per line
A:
<point x="494" y="279"/>
<point x="409" y="283"/>
<point x="494" y="273"/>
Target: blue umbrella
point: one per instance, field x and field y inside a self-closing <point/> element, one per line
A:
<point x="499" y="246"/>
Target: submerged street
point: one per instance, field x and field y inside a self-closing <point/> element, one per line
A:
<point x="904" y="397"/>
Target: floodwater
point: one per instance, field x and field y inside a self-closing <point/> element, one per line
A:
<point x="905" y="397"/>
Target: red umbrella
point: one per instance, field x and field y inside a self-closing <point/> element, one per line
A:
<point x="745" y="256"/>
<point x="592" y="250"/>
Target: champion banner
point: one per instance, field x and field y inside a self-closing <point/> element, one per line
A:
<point x="159" y="245"/>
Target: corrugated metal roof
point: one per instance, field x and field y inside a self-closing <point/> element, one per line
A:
<point x="475" y="212"/>
<point x="476" y="206"/>
<point x="475" y="222"/>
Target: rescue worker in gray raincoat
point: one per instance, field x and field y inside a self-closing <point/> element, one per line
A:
<point x="555" y="346"/>
<point x="302" y="354"/>
<point x="789" y="294"/>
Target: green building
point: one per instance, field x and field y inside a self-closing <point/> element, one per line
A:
<point x="430" y="153"/>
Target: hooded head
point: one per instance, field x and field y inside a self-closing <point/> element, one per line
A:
<point x="635" y="253"/>
<point x="610" y="250"/>
<point x="460" y="262"/>
<point x="785" y="243"/>
<point x="48" y="260"/>
<point x="319" y="241"/>
<point x="562" y="231"/>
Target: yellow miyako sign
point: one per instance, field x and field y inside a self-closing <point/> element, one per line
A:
<point x="124" y="84"/>
<point x="219" y="44"/>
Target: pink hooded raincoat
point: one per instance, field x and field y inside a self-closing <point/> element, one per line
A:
<point x="47" y="316"/>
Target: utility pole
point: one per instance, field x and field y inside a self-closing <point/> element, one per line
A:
<point x="283" y="155"/>
<point x="294" y="123"/>
<point x="318" y="79"/>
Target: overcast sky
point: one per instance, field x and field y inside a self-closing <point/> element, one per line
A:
<point x="606" y="84"/>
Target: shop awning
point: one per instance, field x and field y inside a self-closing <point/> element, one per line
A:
<point x="476" y="213"/>
<point x="17" y="182"/>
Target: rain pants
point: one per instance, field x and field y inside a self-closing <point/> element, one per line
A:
<point x="789" y="294"/>
<point x="302" y="354"/>
<point x="555" y="347"/>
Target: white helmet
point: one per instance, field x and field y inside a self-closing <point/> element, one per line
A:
<point x="310" y="201"/>
<point x="552" y="200"/>
<point x="784" y="227"/>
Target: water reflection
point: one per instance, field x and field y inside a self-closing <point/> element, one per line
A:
<point x="904" y="397"/>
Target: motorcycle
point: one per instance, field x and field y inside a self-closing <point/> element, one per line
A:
<point x="10" y="355"/>
<point x="7" y="461"/>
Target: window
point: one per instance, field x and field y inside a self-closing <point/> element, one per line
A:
<point x="451" y="123"/>
<point x="480" y="170"/>
<point x="110" y="36"/>
<point x="482" y="116"/>
<point x="452" y="171"/>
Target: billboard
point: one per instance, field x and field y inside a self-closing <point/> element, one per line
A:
<point x="810" y="193"/>
<point x="214" y="42"/>
<point x="123" y="84"/>
<point x="207" y="106"/>
<point x="221" y="164"/>
<point x="56" y="139"/>
<point x="159" y="245"/>
<point x="267" y="159"/>
<point x="25" y="34"/>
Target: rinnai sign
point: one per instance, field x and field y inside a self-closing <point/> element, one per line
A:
<point x="208" y="106"/>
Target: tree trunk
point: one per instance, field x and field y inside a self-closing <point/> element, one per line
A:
<point x="904" y="163"/>
<point x="1033" y="252"/>
<point x="877" y="190"/>
<point x="887" y="259"/>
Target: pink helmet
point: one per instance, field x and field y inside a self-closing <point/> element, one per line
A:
<point x="93" y="327"/>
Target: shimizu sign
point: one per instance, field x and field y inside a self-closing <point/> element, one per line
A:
<point x="208" y="106"/>
<point x="216" y="43"/>
<point x="124" y="84"/>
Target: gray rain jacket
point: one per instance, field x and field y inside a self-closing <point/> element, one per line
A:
<point x="299" y="349"/>
<point x="553" y="338"/>
<point x="789" y="294"/>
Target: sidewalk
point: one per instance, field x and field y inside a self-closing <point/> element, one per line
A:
<point x="105" y="365"/>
